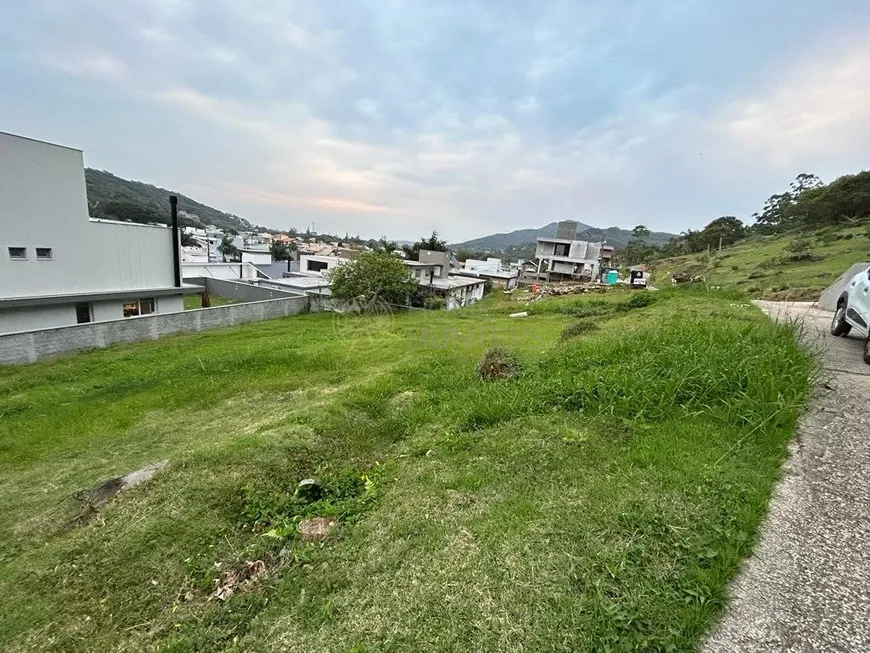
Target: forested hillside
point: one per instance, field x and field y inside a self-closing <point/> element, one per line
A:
<point x="521" y="243"/>
<point x="115" y="198"/>
<point x="800" y="242"/>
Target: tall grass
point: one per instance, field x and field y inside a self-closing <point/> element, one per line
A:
<point x="600" y="500"/>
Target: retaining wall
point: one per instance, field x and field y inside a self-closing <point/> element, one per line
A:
<point x="31" y="346"/>
<point x="240" y="290"/>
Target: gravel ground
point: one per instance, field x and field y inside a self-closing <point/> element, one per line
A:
<point x="807" y="586"/>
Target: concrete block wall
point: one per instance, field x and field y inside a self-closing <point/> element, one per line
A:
<point x="47" y="343"/>
<point x="240" y="290"/>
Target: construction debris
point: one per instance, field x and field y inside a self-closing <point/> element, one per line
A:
<point x="541" y="291"/>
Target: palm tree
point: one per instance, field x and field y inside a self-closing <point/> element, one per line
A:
<point x="226" y="248"/>
<point x="280" y="251"/>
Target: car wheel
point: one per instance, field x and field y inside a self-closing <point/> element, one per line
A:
<point x="867" y="350"/>
<point x="839" y="326"/>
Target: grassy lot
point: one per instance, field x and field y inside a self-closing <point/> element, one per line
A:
<point x="600" y="500"/>
<point x="763" y="266"/>
<point x="192" y="302"/>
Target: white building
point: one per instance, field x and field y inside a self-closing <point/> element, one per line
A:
<point x="319" y="265"/>
<point x="254" y="255"/>
<point x="432" y="271"/>
<point x="58" y="267"/>
<point x="489" y="265"/>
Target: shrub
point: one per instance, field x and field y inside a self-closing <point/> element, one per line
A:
<point x="434" y="303"/>
<point x="641" y="300"/>
<point x="797" y="257"/>
<point x="578" y="328"/>
<point x="498" y="364"/>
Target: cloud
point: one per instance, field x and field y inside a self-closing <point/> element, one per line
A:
<point x="819" y="109"/>
<point x="91" y="63"/>
<point x="468" y="118"/>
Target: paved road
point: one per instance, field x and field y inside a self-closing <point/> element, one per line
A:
<point x="807" y="587"/>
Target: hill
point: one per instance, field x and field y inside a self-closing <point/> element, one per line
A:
<point x="122" y="199"/>
<point x="523" y="240"/>
<point x="794" y="265"/>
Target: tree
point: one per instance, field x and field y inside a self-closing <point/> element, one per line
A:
<point x="723" y="231"/>
<point x="227" y="248"/>
<point x="373" y="276"/>
<point x="432" y="243"/>
<point x="187" y="240"/>
<point x="640" y="232"/>
<point x="384" y="245"/>
<point x="281" y="251"/>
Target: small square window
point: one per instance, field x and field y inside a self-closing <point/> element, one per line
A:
<point x="43" y="253"/>
<point x="83" y="313"/>
<point x="144" y="306"/>
<point x="18" y="252"/>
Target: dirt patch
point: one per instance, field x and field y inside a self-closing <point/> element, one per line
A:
<point x="93" y="499"/>
<point x="316" y="528"/>
<point x="233" y="579"/>
<point x="498" y="364"/>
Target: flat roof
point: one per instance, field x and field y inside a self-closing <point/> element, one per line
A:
<point x="484" y="273"/>
<point x="44" y="300"/>
<point x="301" y="282"/>
<point x="129" y="224"/>
<point x="37" y="140"/>
<point x="453" y="282"/>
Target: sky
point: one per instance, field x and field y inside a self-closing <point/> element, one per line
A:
<point x="399" y="117"/>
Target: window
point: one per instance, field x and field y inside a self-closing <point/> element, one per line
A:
<point x="561" y="249"/>
<point x="43" y="253"/>
<point x="144" y="306"/>
<point x="18" y="252"/>
<point x="83" y="313"/>
<point x="317" y="266"/>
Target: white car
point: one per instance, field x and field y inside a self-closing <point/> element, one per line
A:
<point x="853" y="310"/>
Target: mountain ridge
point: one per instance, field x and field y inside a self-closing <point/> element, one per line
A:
<point x="520" y="238"/>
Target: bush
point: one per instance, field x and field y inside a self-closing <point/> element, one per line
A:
<point x="578" y="328"/>
<point x="797" y="257"/>
<point x="434" y="303"/>
<point x="498" y="364"/>
<point x="373" y="276"/>
<point x="641" y="300"/>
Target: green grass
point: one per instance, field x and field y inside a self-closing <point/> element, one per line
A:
<point x="192" y="302"/>
<point x="761" y="267"/>
<point x="601" y="500"/>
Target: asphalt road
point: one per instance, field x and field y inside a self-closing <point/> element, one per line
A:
<point x="807" y="586"/>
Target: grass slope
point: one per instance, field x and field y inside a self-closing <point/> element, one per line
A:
<point x="761" y="266"/>
<point x="599" y="501"/>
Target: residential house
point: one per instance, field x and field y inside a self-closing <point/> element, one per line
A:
<point x="564" y="258"/>
<point x="489" y="265"/>
<point x="491" y="270"/>
<point x="319" y="265"/>
<point x="432" y="272"/>
<point x="58" y="267"/>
